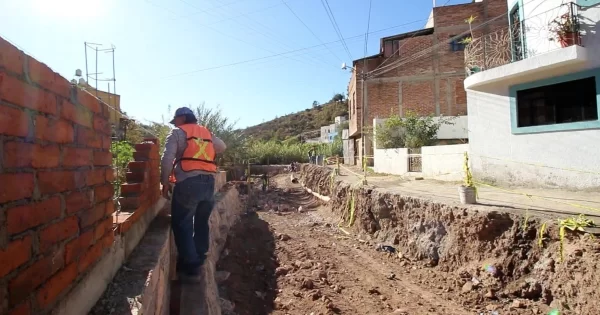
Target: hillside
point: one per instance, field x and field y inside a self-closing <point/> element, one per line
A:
<point x="287" y="126"/>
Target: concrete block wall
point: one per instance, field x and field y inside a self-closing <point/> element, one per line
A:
<point x="55" y="184"/>
<point x="142" y="189"/>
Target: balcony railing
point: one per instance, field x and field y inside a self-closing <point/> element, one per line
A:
<point x="543" y="30"/>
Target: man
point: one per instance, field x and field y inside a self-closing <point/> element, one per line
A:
<point x="188" y="162"/>
<point x="311" y="155"/>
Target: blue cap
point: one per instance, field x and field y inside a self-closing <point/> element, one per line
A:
<point x="181" y="111"/>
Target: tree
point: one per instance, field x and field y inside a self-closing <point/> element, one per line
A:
<point x="315" y="104"/>
<point x="411" y="131"/>
<point x="337" y="97"/>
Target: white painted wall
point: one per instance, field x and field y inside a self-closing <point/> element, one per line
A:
<point x="391" y="161"/>
<point x="442" y="162"/>
<point x="499" y="156"/>
<point x="565" y="159"/>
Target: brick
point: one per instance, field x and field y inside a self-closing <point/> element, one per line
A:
<point x="90" y="257"/>
<point x="11" y="58"/>
<point x="129" y="203"/>
<point x="142" y="147"/>
<point x="96" y="177"/>
<point x="135" y="177"/>
<point x="102" y="158"/>
<point x="54" y="130"/>
<point x="32" y="277"/>
<point x="21" y="218"/>
<point x="103" y="227"/>
<point x="21" y="309"/>
<point x="110" y="174"/>
<point x="108" y="240"/>
<point x="102" y="125"/>
<point x="40" y="73"/>
<point x="78" y="246"/>
<point x="91" y="216"/>
<point x="20" y="154"/>
<point x="13" y="122"/>
<point x="16" y="186"/>
<point x="88" y="100"/>
<point x="18" y="92"/>
<point x="104" y="192"/>
<point x="77" y="201"/>
<point x="88" y="137"/>
<point x="16" y="253"/>
<point x="50" y="182"/>
<point x="58" y="284"/>
<point x="131" y="189"/>
<point x="142" y="155"/>
<point x="76" y="114"/>
<point x="137" y="166"/>
<point x="76" y="157"/>
<point x="61" y="87"/>
<point x="110" y="208"/>
<point x="57" y="232"/>
<point x="106" y="142"/>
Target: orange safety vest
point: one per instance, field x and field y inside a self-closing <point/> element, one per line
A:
<point x="200" y="152"/>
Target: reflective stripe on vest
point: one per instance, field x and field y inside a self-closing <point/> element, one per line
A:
<point x="199" y="154"/>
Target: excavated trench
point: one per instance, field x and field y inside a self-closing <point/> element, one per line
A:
<point x="300" y="255"/>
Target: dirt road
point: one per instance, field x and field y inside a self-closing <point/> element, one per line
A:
<point x="282" y="261"/>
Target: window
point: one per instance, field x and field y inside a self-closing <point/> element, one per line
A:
<point x="391" y="47"/>
<point x="567" y="102"/>
<point x="458" y="44"/>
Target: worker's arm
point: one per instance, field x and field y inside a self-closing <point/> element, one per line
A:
<point x="168" y="157"/>
<point x="218" y="144"/>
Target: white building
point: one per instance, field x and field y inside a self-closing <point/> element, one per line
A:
<point x="534" y="96"/>
<point x="329" y="132"/>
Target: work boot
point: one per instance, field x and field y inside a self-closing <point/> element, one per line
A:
<point x="194" y="276"/>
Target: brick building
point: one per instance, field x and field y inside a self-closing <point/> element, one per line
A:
<point x="420" y="71"/>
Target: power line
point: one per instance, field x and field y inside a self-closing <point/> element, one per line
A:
<point x="336" y="27"/>
<point x="267" y="35"/>
<point x="426" y="51"/>
<point x="308" y="28"/>
<point x="218" y="31"/>
<point x="367" y="32"/>
<point x="288" y="52"/>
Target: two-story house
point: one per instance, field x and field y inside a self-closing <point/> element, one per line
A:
<point x="534" y="95"/>
<point x="420" y="71"/>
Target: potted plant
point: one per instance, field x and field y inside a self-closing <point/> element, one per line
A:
<point x="467" y="192"/>
<point x="565" y="30"/>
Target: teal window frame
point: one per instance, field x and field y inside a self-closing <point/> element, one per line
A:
<point x="581" y="125"/>
<point x="587" y="3"/>
<point x="517" y="5"/>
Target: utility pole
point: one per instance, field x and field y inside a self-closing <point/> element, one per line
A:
<point x="363" y="112"/>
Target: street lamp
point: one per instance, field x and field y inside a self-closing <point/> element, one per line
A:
<point x="363" y="76"/>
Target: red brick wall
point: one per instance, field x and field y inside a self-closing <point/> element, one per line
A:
<point x="55" y="184"/>
<point x="143" y="181"/>
<point x="435" y="77"/>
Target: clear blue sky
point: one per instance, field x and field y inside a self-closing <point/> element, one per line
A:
<point x="158" y="41"/>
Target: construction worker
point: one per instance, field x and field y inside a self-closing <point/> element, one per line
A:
<point x="311" y="156"/>
<point x="188" y="163"/>
<point x="265" y="181"/>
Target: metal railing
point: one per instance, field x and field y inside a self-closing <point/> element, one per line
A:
<point x="546" y="30"/>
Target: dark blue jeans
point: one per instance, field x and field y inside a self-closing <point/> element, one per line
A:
<point x="191" y="205"/>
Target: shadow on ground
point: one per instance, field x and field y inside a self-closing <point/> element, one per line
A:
<point x="249" y="257"/>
